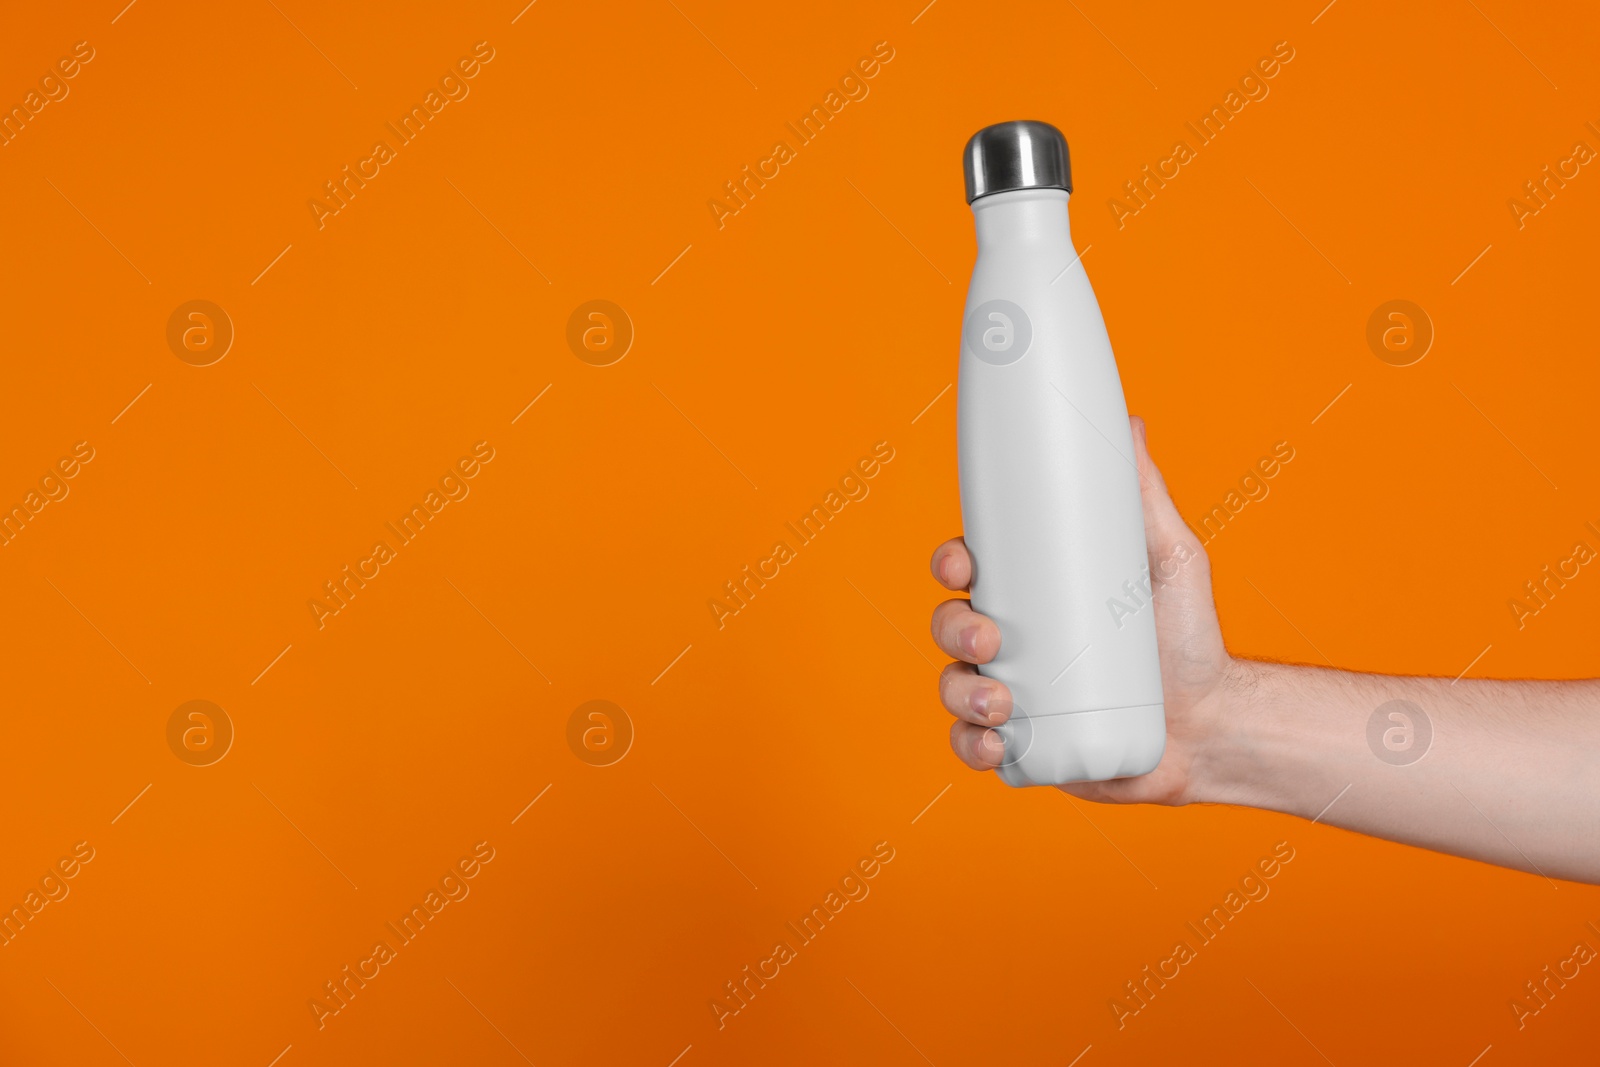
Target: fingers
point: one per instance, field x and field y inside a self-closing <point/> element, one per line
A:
<point x="952" y="564"/>
<point x="963" y="633"/>
<point x="977" y="702"/>
<point x="968" y="695"/>
<point x="977" y="746"/>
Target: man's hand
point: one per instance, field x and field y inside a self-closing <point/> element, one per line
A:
<point x="1195" y="667"/>
<point x="1511" y="774"/>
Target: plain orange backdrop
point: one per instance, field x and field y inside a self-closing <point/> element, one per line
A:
<point x="769" y="355"/>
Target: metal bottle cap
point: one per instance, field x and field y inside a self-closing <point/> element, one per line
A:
<point x="1017" y="155"/>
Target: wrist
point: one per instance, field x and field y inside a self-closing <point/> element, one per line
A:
<point x="1235" y="762"/>
<point x="1283" y="738"/>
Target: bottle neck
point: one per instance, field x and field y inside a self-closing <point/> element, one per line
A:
<point x="1022" y="217"/>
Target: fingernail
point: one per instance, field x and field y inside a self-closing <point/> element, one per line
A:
<point x="968" y="640"/>
<point x="994" y="742"/>
<point x="980" y="702"/>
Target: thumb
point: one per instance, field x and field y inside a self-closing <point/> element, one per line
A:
<point x="1164" y="528"/>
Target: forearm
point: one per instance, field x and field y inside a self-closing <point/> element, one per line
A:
<point x="1510" y="775"/>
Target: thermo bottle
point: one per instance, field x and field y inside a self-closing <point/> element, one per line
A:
<point x="1049" y="490"/>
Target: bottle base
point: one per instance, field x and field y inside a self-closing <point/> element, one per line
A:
<point x="1084" y="746"/>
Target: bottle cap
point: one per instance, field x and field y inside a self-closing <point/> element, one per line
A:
<point x="1017" y="155"/>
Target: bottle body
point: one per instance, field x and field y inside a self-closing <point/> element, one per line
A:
<point x="1051" y="506"/>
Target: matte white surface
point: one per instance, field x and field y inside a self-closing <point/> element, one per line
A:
<point x="1050" y="502"/>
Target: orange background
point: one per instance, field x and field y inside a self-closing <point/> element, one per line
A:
<point x="823" y="318"/>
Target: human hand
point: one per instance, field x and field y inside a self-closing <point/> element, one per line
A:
<point x="1197" y="674"/>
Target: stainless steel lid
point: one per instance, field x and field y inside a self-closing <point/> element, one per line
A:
<point x="1017" y="155"/>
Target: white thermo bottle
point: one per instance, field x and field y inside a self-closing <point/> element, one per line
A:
<point x="1049" y="489"/>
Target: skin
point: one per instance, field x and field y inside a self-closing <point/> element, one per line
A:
<point x="1512" y="776"/>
